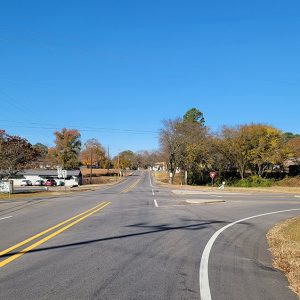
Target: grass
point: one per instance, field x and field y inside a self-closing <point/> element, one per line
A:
<point x="289" y="181"/>
<point x="33" y="194"/>
<point x="56" y="191"/>
<point x="284" y="243"/>
<point x="290" y="184"/>
<point x="164" y="177"/>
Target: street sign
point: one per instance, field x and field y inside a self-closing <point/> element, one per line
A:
<point x="6" y="186"/>
<point x="59" y="172"/>
<point x="212" y="174"/>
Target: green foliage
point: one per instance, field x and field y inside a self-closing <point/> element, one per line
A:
<point x="184" y="144"/>
<point x="254" y="181"/>
<point x="124" y="160"/>
<point x="194" y="115"/>
<point x="67" y="148"/>
<point x="289" y="135"/>
<point x="255" y="147"/>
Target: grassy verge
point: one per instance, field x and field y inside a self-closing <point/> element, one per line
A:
<point x="33" y="194"/>
<point x="57" y="191"/>
<point x="161" y="178"/>
<point x="284" y="243"/>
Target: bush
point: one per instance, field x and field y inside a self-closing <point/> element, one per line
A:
<point x="254" y="181"/>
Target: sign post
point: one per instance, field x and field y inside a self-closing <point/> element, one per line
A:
<point x="170" y="178"/>
<point x="212" y="175"/>
<point x="64" y="175"/>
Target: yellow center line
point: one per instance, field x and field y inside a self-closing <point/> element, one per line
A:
<point x="131" y="186"/>
<point x="45" y="239"/>
<point x="47" y="230"/>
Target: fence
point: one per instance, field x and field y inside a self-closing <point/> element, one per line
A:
<point x="99" y="180"/>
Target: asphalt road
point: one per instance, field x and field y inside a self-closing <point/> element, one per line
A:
<point x="139" y="241"/>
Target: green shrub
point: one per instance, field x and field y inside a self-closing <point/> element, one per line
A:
<point x="254" y="181"/>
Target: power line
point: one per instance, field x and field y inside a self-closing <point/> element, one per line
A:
<point x="45" y="126"/>
<point x="16" y="104"/>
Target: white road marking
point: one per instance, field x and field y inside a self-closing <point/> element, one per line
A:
<point x="150" y="180"/>
<point x="155" y="203"/>
<point x="204" y="201"/>
<point x="5" y="218"/>
<point x="297" y="196"/>
<point x="203" y="271"/>
<point x="153" y="192"/>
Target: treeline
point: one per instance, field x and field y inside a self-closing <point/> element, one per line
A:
<point x="246" y="150"/>
<point x="68" y="152"/>
<point x="186" y="145"/>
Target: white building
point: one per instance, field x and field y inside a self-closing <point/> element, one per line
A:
<point x="73" y="178"/>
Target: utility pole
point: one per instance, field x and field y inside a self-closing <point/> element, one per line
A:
<point x="108" y="160"/>
<point x="91" y="171"/>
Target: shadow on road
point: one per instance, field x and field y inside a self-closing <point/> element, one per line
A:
<point x="152" y="229"/>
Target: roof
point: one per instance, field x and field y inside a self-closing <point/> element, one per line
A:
<point x="46" y="172"/>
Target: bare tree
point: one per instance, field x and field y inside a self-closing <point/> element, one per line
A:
<point x="171" y="145"/>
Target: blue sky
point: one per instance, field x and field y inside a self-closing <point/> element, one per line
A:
<point x="130" y="64"/>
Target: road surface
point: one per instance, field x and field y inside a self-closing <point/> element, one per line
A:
<point x="135" y="240"/>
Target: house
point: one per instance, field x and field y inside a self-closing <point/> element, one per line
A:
<point x="159" y="166"/>
<point x="73" y="178"/>
<point x="292" y="166"/>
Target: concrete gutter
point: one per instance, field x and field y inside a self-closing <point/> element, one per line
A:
<point x="203" y="201"/>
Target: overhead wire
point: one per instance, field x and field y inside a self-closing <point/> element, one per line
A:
<point x="45" y="126"/>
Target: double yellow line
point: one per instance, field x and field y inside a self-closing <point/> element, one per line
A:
<point x="126" y="190"/>
<point x="76" y="219"/>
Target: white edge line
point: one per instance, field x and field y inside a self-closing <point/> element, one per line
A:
<point x="297" y="196"/>
<point x="6" y="218"/>
<point x="203" y="271"/>
<point x="155" y="203"/>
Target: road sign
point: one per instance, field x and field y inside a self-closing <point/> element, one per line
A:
<point x="6" y="186"/>
<point x="212" y="174"/>
<point x="59" y="172"/>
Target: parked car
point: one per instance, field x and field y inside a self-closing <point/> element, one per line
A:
<point x="50" y="182"/>
<point x="60" y="183"/>
<point x="26" y="182"/>
<point x="39" y="183"/>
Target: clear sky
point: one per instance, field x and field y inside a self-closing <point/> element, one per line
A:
<point x="128" y="65"/>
